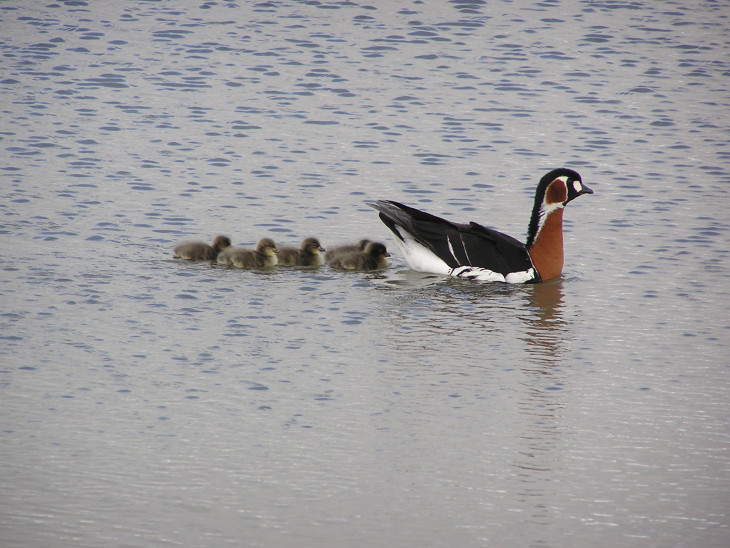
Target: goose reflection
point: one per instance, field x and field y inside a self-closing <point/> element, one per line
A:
<point x="495" y="339"/>
<point x="539" y="441"/>
<point x="473" y="322"/>
<point x="546" y="338"/>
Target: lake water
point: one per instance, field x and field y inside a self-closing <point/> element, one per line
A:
<point x="153" y="402"/>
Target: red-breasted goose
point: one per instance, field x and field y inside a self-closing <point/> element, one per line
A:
<point x="433" y="244"/>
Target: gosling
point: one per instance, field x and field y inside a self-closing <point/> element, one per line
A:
<point x="200" y="251"/>
<point x="308" y="254"/>
<point x="262" y="257"/>
<point x="373" y="257"/>
<point x="335" y="251"/>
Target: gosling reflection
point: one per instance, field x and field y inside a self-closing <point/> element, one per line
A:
<point x="486" y="340"/>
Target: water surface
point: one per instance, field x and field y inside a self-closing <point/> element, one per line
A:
<point x="154" y="402"/>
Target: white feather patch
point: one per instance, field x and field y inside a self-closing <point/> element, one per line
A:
<point x="451" y="248"/>
<point x="545" y="211"/>
<point x="477" y="273"/>
<point x="486" y="275"/>
<point x="419" y="257"/>
<point x="520" y="277"/>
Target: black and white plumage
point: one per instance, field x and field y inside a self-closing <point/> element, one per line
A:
<point x="432" y="244"/>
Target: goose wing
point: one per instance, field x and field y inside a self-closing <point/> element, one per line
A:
<point x="456" y="244"/>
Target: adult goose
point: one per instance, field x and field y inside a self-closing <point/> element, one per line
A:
<point x="433" y="244"/>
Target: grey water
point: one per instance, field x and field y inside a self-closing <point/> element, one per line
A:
<point x="147" y="401"/>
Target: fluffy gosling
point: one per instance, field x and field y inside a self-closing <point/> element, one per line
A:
<point x="265" y="255"/>
<point x="373" y="257"/>
<point x="308" y="254"/>
<point x="200" y="251"/>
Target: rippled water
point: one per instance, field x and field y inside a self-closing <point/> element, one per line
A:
<point x="153" y="402"/>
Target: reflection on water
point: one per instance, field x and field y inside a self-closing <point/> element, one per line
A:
<point x="539" y="446"/>
<point x="548" y="332"/>
<point x="430" y="308"/>
<point x="468" y="329"/>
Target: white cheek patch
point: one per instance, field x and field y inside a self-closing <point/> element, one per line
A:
<point x="577" y="186"/>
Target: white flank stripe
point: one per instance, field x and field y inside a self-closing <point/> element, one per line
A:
<point x="466" y="251"/>
<point x="486" y="275"/>
<point x="476" y="273"/>
<point x="451" y="248"/>
<point x="520" y="277"/>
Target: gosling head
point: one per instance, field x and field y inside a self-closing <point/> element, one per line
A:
<point x="266" y="246"/>
<point x="220" y="243"/>
<point x="311" y="246"/>
<point x="376" y="249"/>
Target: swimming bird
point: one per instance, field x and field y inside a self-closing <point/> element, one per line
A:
<point x="308" y="254"/>
<point x="263" y="256"/>
<point x="373" y="257"/>
<point x="333" y="252"/>
<point x="200" y="251"/>
<point x="433" y="244"/>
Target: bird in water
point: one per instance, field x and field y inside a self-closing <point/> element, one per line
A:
<point x="263" y="256"/>
<point x="200" y="251"/>
<point x="432" y="244"/>
<point x="309" y="253"/>
<point x="373" y="257"/>
<point x="348" y="248"/>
